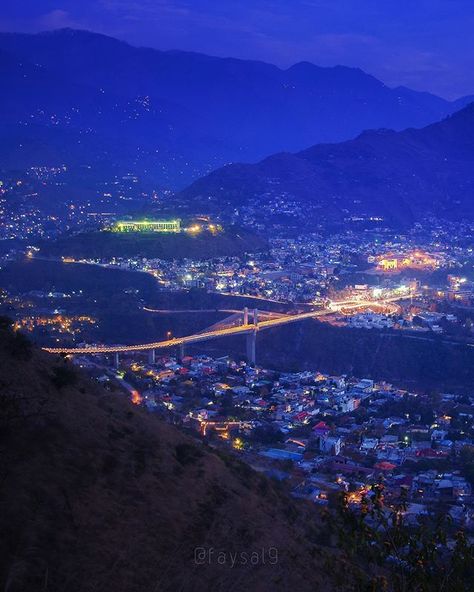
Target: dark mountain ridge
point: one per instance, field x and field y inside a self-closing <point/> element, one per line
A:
<point x="177" y="115"/>
<point x="398" y="176"/>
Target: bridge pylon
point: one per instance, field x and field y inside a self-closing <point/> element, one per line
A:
<point x="251" y="347"/>
<point x="116" y="360"/>
<point x="246" y="316"/>
<point x="151" y="356"/>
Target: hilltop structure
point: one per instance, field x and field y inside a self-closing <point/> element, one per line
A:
<point x="148" y="226"/>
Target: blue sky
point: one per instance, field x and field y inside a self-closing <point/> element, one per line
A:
<point x="424" y="44"/>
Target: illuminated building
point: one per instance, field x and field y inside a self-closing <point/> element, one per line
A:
<point x="388" y="264"/>
<point x="455" y="282"/>
<point x="148" y="226"/>
<point x="412" y="260"/>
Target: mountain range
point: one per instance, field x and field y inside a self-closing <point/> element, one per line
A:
<point x="83" y="99"/>
<point x="397" y="177"/>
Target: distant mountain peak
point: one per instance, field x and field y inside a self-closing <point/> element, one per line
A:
<point x="303" y="65"/>
<point x="73" y="32"/>
<point x="396" y="177"/>
<point x="467" y="111"/>
<point x="352" y="75"/>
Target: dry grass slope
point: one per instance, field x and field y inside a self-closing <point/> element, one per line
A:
<point x="96" y="495"/>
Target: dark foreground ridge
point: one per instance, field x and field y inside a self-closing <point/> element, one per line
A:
<point x="95" y="494"/>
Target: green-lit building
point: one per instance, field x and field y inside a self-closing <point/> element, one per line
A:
<point x="148" y="226"/>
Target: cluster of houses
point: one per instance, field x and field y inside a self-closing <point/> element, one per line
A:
<point x="322" y="433"/>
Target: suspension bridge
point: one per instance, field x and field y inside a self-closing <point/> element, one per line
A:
<point x="248" y="323"/>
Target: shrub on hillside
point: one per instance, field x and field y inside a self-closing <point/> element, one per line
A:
<point x="64" y="376"/>
<point x="15" y="344"/>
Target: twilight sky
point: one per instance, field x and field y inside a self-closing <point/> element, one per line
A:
<point x="424" y="44"/>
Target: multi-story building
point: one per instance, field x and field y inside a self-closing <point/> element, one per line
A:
<point x="148" y="226"/>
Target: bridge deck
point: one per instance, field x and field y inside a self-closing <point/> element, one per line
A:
<point x="217" y="333"/>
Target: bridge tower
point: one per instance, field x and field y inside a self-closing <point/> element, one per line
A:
<point x="151" y="356"/>
<point x="255" y="316"/>
<point x="246" y="316"/>
<point x="251" y="346"/>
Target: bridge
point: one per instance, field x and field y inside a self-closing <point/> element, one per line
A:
<point x="250" y="325"/>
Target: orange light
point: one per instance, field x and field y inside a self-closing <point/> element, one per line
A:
<point x="136" y="397"/>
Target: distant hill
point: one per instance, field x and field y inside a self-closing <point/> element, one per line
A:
<point x="398" y="176"/>
<point x="94" y="245"/>
<point x="80" y="98"/>
<point x="98" y="495"/>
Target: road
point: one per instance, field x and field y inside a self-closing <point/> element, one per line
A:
<point x="190" y="310"/>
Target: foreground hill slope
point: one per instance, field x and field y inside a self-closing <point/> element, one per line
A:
<point x="98" y="495"/>
<point x="399" y="176"/>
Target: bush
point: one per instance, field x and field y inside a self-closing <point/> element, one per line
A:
<point x="5" y="324"/>
<point x="64" y="376"/>
<point x="19" y="347"/>
<point x="427" y="556"/>
<point x="187" y="453"/>
<point x="16" y="345"/>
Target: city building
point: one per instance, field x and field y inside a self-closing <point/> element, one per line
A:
<point x="148" y="226"/>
